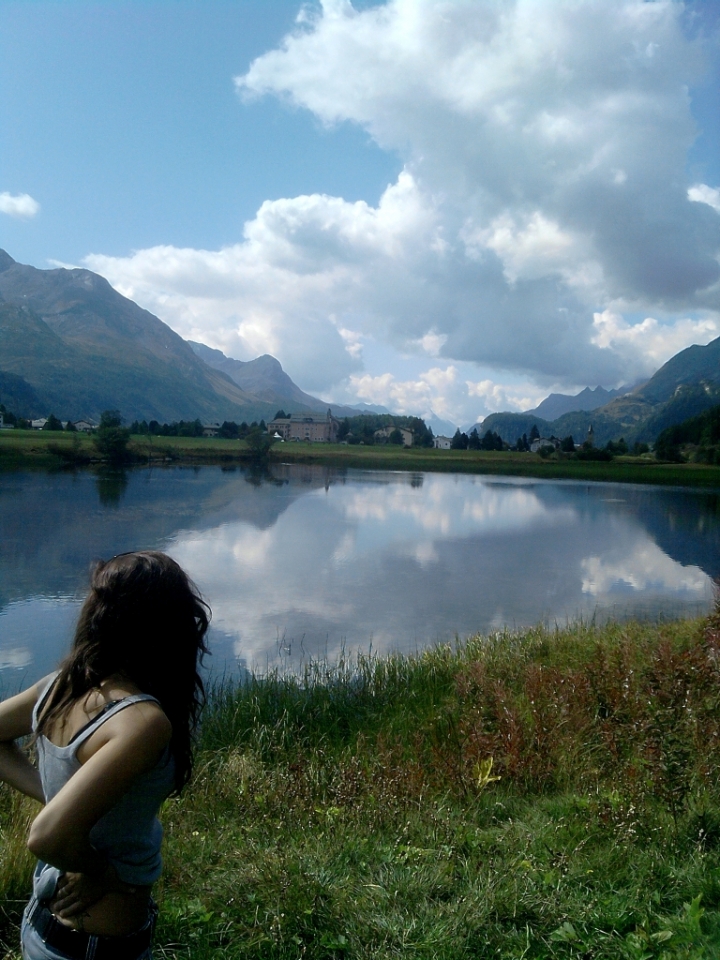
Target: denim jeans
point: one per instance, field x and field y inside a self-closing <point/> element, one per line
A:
<point x="33" y="946"/>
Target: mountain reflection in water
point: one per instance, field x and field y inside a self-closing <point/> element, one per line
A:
<point x="304" y="561"/>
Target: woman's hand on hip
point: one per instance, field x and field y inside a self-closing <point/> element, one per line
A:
<point x="77" y="891"/>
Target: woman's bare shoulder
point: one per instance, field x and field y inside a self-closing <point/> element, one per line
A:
<point x="142" y="726"/>
<point x="146" y="716"/>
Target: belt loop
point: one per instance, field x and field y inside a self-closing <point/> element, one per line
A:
<point x="31" y="907"/>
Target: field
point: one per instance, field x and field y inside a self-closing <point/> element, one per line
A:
<point x="24" y="448"/>
<point x="544" y="795"/>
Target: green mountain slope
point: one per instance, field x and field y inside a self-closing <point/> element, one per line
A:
<point x="80" y="347"/>
<point x="17" y="394"/>
<point x="684" y="387"/>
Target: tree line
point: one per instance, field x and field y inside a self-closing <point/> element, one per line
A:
<point x="565" y="447"/>
<point x="362" y="430"/>
<point x="228" y="430"/>
<point x="697" y="438"/>
<point x="701" y="432"/>
<point x="21" y="423"/>
<point x="473" y="441"/>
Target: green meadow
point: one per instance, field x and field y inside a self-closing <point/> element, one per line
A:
<point x="551" y="794"/>
<point x="48" y="450"/>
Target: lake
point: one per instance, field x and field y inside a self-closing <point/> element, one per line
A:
<point x="310" y="561"/>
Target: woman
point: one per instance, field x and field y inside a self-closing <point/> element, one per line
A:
<point x="113" y="730"/>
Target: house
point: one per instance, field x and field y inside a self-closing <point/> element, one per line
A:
<point x="38" y="424"/>
<point x="84" y="426"/>
<point x="315" y="429"/>
<point x="5" y="426"/>
<point x="211" y="429"/>
<point x="384" y="434"/>
<point x="541" y="442"/>
<point x="442" y="443"/>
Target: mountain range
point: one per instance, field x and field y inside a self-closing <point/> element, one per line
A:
<point x="558" y="404"/>
<point x="72" y="345"/>
<point x="683" y="387"/>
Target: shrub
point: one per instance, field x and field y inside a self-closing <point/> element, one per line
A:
<point x="111" y="438"/>
<point x="588" y="452"/>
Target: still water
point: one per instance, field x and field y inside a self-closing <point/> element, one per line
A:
<point x="308" y="561"/>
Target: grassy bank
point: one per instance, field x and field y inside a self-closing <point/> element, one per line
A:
<point x="28" y="448"/>
<point x="549" y="795"/>
<point x="505" y="463"/>
<point x="49" y="449"/>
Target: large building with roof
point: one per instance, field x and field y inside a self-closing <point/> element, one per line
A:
<point x="316" y="429"/>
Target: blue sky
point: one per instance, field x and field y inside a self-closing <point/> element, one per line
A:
<point x="122" y="118"/>
<point x="453" y="206"/>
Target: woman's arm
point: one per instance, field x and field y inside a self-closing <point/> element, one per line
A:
<point x="17" y="771"/>
<point x="16" y="721"/>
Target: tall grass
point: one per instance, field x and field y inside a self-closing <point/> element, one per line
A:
<point x="546" y="795"/>
<point x="16" y="863"/>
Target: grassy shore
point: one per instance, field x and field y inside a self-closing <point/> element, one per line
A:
<point x="546" y="795"/>
<point x="507" y="463"/>
<point x="28" y="448"/>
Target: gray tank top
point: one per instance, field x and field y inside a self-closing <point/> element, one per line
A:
<point x="129" y="834"/>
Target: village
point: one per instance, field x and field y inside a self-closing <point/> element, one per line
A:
<point x="308" y="428"/>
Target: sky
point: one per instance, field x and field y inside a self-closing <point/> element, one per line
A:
<point x="447" y="207"/>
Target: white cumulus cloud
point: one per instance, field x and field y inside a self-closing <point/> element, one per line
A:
<point x="309" y="272"/>
<point x="702" y="193"/>
<point x="545" y="149"/>
<point x="443" y="392"/>
<point x="646" y="569"/>
<point x="21" y="205"/>
<point x="648" y="339"/>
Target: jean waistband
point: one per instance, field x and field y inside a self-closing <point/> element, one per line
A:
<point x="78" y="945"/>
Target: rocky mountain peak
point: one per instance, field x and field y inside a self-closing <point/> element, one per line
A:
<point x="6" y="261"/>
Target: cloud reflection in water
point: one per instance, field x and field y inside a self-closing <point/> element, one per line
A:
<point x="313" y="559"/>
<point x="398" y="565"/>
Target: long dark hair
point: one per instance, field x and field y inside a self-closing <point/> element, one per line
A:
<point x="144" y="619"/>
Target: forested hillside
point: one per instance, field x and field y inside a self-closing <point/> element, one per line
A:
<point x="684" y="387"/>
